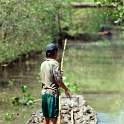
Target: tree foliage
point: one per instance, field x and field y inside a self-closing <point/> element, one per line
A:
<point x="27" y="25"/>
<point x="118" y="12"/>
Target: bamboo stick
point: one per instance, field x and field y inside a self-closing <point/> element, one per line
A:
<point x="59" y="116"/>
<point x="63" y="54"/>
<point x="72" y="121"/>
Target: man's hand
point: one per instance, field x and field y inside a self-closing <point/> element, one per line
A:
<point x="62" y="72"/>
<point x="67" y="93"/>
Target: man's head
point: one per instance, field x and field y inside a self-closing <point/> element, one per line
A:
<point x="51" y="48"/>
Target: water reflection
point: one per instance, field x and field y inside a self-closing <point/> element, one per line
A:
<point x="109" y="107"/>
<point x="99" y="68"/>
<point x="120" y="119"/>
<point x="104" y="118"/>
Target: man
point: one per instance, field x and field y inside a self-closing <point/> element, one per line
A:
<point x="51" y="77"/>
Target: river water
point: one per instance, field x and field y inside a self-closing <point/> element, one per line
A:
<point x="106" y="67"/>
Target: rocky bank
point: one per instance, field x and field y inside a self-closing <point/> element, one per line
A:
<point x="74" y="111"/>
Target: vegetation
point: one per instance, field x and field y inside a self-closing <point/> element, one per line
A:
<point x="29" y="25"/>
<point x="118" y="12"/>
<point x="27" y="99"/>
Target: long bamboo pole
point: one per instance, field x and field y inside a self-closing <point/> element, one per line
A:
<point x="63" y="54"/>
<point x="59" y="116"/>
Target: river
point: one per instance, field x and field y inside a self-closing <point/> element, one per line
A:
<point x="98" y="74"/>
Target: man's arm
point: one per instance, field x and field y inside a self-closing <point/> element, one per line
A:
<point x="62" y="85"/>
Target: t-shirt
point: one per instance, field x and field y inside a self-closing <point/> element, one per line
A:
<point x="49" y="70"/>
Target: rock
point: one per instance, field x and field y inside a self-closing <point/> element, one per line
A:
<point x="76" y="111"/>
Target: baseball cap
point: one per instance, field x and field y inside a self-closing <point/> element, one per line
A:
<point x="51" y="47"/>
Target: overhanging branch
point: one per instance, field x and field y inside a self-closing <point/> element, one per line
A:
<point x="91" y="5"/>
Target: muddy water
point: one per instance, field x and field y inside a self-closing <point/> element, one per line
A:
<point x="108" y="105"/>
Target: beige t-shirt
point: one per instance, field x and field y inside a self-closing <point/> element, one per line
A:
<point x="49" y="70"/>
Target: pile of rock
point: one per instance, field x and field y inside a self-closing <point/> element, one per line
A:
<point x="76" y="112"/>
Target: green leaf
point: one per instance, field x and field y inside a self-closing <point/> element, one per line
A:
<point x="24" y="88"/>
<point x="25" y="100"/>
<point x="9" y="116"/>
<point x="67" y="84"/>
<point x="75" y="87"/>
<point x="30" y="102"/>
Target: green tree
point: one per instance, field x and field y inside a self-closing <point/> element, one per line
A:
<point x="27" y="25"/>
<point x="118" y="12"/>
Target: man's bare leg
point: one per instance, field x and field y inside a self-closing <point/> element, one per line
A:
<point x="46" y="120"/>
<point x="53" y="120"/>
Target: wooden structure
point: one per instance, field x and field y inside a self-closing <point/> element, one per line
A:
<point x="91" y="5"/>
